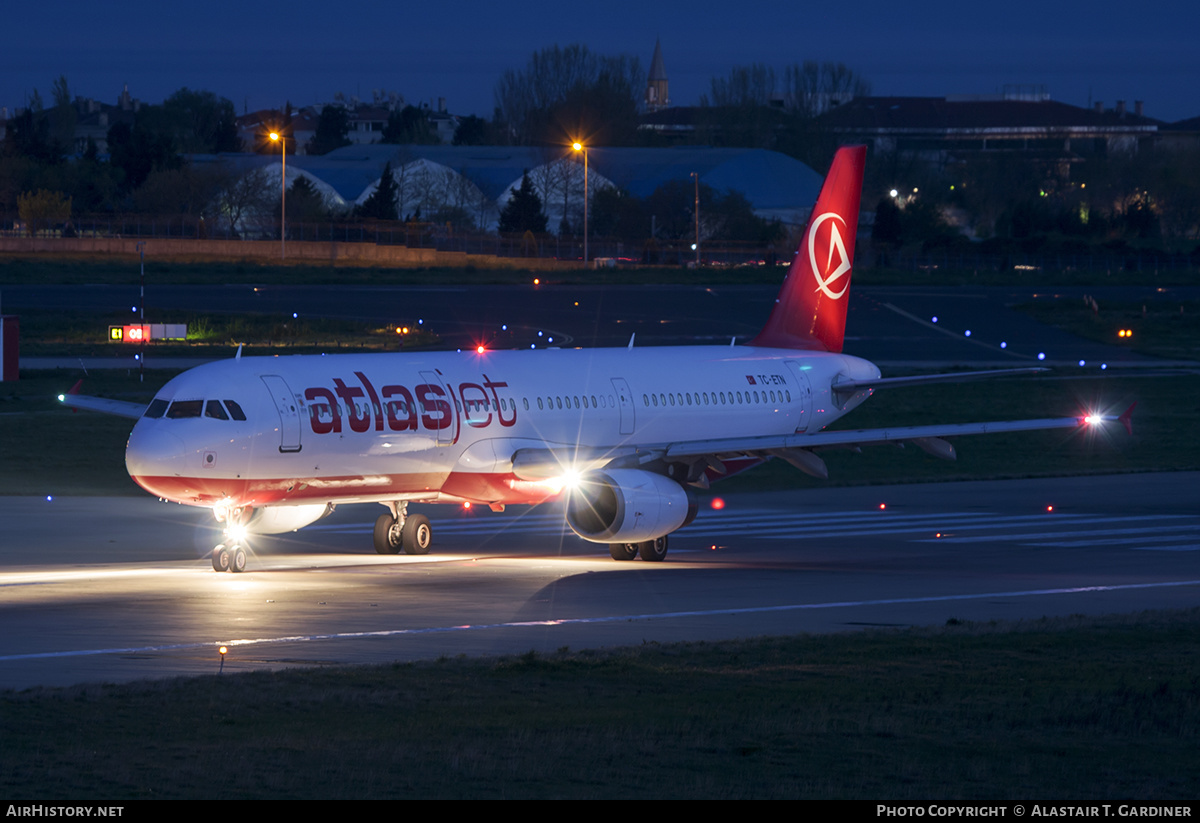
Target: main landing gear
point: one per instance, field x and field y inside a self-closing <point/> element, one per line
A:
<point x="398" y="530"/>
<point x="229" y="558"/>
<point x="652" y="550"/>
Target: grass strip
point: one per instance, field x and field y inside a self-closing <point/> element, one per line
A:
<point x="1096" y="708"/>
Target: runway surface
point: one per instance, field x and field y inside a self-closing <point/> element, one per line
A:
<point x="116" y="589"/>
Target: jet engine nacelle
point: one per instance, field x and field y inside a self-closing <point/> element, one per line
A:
<point x="280" y="519"/>
<point x="627" y="506"/>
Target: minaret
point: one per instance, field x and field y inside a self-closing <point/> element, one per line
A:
<point x="656" y="82"/>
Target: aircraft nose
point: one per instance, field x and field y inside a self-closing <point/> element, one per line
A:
<point x="153" y="452"/>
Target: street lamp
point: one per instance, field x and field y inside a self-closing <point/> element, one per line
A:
<point x="577" y="146"/>
<point x="278" y="138"/>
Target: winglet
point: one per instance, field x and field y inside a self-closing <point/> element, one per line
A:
<point x="1126" y="418"/>
<point x="75" y="389"/>
<point x="810" y="312"/>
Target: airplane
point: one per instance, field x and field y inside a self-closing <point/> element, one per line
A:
<point x="273" y="444"/>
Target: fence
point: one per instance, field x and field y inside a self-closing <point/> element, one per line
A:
<point x="444" y="238"/>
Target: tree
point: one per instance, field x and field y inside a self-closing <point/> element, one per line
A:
<point x="63" y="116"/>
<point x="381" y="205"/>
<point x="41" y="209"/>
<point x="246" y="198"/>
<point x="523" y="211"/>
<point x="138" y="150"/>
<point x="473" y="131"/>
<point x="332" y="127"/>
<point x="563" y="89"/>
<point x="305" y="203"/>
<point x="201" y="122"/>
<point x="410" y="126"/>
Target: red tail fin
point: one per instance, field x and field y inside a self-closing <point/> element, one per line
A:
<point x="810" y="312"/>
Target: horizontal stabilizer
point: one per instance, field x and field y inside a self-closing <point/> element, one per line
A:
<point x="843" y="386"/>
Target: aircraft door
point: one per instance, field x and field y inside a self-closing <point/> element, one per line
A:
<point x="443" y="409"/>
<point x="625" y="403"/>
<point x="289" y="412"/>
<point x="804" y="406"/>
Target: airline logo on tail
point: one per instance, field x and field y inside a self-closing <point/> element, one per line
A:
<point x="835" y="246"/>
<point x="815" y="318"/>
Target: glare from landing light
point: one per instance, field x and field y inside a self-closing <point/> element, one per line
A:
<point x="1041" y="355"/>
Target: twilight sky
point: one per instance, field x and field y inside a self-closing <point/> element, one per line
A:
<point x="262" y="54"/>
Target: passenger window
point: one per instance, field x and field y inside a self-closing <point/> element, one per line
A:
<point x="214" y="409"/>
<point x="155" y="409"/>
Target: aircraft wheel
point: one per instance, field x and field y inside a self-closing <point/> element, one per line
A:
<point x="623" y="551"/>
<point x="237" y="559"/>
<point x="387" y="534"/>
<point x="417" y="534"/>
<point x="221" y="558"/>
<point x="653" y="550"/>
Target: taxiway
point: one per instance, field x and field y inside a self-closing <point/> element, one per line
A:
<point x="117" y="589"/>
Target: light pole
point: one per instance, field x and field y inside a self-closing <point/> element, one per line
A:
<point x="279" y="138"/>
<point x="696" y="212"/>
<point x="577" y="146"/>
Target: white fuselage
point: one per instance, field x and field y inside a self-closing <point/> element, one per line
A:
<point x="445" y="426"/>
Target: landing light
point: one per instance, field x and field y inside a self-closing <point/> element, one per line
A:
<point x="1041" y="355"/>
<point x="480" y="349"/>
<point x="717" y="504"/>
<point x="466" y="504"/>
<point x="1093" y="419"/>
<point x="882" y="506"/>
<point x="236" y="534"/>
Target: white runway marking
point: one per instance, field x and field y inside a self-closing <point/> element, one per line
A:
<point x="310" y="638"/>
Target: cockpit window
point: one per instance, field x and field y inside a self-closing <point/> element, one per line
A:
<point x="185" y="408"/>
<point x="156" y="409"/>
<point x="235" y="411"/>
<point x="213" y="408"/>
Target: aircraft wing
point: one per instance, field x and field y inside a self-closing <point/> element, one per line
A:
<point x="862" y="437"/>
<point x="798" y="449"/>
<point x="121" y="408"/>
